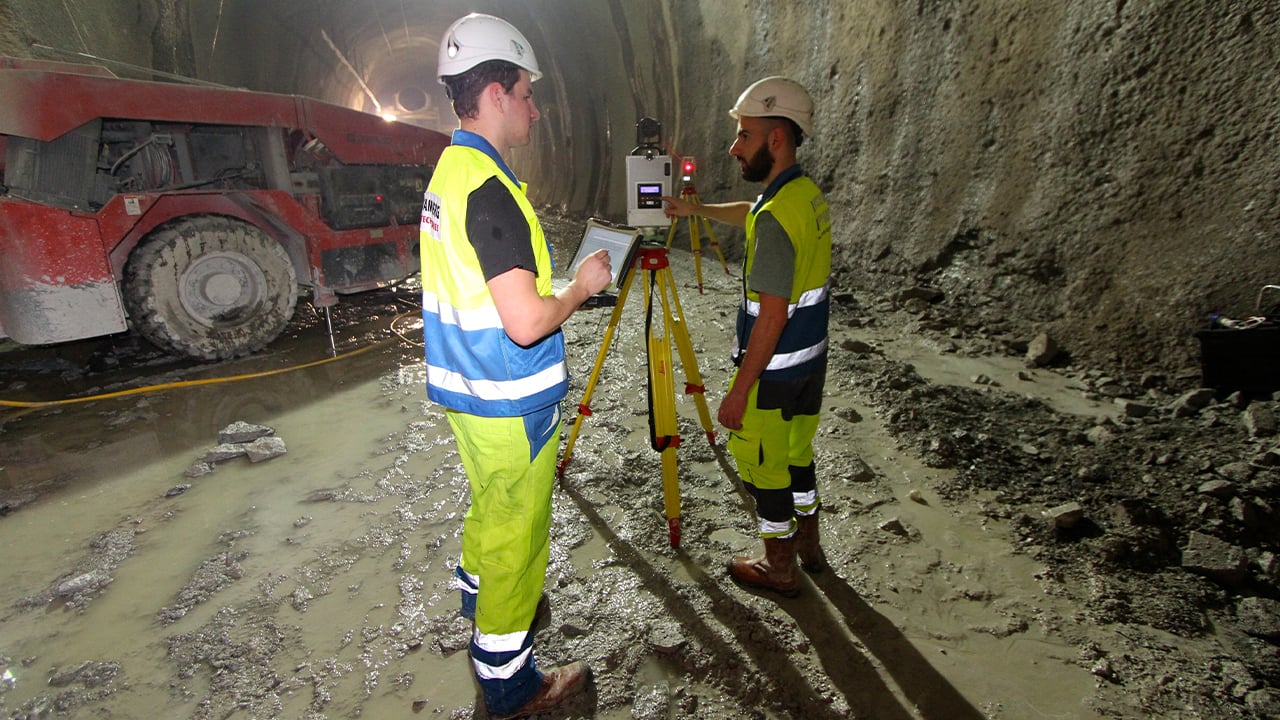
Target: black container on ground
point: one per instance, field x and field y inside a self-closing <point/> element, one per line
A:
<point x="1241" y="359"/>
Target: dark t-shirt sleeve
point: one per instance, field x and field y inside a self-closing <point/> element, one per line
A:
<point x="773" y="269"/>
<point x="498" y="230"/>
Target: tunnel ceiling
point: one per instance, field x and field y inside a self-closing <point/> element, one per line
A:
<point x="376" y="55"/>
<point x="380" y="56"/>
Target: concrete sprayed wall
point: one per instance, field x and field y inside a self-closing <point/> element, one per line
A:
<point x="1102" y="170"/>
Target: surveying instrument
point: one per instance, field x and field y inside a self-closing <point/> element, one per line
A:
<point x="648" y="180"/>
<point x="697" y="223"/>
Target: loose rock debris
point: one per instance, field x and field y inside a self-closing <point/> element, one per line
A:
<point x="239" y="439"/>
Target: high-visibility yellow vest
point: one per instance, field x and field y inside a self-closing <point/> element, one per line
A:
<point x="801" y="209"/>
<point x="472" y="365"/>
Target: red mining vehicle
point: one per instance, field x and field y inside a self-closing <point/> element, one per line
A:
<point x="192" y="213"/>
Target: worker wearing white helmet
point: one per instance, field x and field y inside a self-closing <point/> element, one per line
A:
<point x="495" y="356"/>
<point x="772" y="405"/>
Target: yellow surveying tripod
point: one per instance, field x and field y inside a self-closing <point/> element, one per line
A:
<point x="664" y="431"/>
<point x="697" y="223"/>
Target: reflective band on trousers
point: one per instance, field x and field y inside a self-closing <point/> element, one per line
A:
<point x="510" y="642"/>
<point x="771" y="529"/>
<point x="806" y="503"/>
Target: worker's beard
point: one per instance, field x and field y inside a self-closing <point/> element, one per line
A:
<point x="757" y="167"/>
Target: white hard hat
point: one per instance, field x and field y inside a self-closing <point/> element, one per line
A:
<point x="477" y="37"/>
<point x="776" y="96"/>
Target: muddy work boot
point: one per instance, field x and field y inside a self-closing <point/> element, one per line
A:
<point x="558" y="685"/>
<point x="775" y="571"/>
<point x="812" y="559"/>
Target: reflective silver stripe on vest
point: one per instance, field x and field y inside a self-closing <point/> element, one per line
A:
<point x="484" y="318"/>
<point x="808" y="298"/>
<point x="497" y="389"/>
<point x="791" y="359"/>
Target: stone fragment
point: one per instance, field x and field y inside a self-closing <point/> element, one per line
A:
<point x="1042" y="350"/>
<point x="199" y="469"/>
<point x="243" y="432"/>
<point x="1259" y="421"/>
<point x="1270" y="458"/>
<point x="857" y="347"/>
<point x="1112" y="388"/>
<point x="920" y="292"/>
<point x="1192" y="402"/>
<point x="1217" y="488"/>
<point x="1133" y="408"/>
<point x="1269" y="563"/>
<point x="847" y="414"/>
<point x="857" y="471"/>
<point x="265" y="448"/>
<point x="1246" y="513"/>
<point x="1263" y="703"/>
<point x="1237" y="471"/>
<point x="1065" y="515"/>
<point x="220" y="453"/>
<point x="652" y="703"/>
<point x="1098" y="435"/>
<point x="88" y="582"/>
<point x="667" y="637"/>
<point x="895" y="526"/>
<point x="1259" y="616"/>
<point x="1151" y="381"/>
<point x="1216" y="559"/>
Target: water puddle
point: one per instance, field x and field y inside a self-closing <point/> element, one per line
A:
<point x="337" y="557"/>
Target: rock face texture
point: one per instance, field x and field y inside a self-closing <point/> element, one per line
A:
<point x="1102" y="171"/>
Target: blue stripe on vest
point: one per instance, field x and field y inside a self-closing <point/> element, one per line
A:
<point x="806" y="327"/>
<point x="464" y="352"/>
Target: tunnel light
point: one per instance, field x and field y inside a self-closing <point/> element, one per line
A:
<point x="389" y="117"/>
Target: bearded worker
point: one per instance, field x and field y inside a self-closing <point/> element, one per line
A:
<point x="772" y="406"/>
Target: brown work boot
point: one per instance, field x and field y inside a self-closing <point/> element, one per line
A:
<point x="775" y="571"/>
<point x="558" y="685"/>
<point x="812" y="559"/>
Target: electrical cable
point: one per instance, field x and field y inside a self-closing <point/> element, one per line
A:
<point x="209" y="381"/>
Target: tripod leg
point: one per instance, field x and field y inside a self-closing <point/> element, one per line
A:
<point x="695" y="242"/>
<point x="665" y="427"/>
<point x="715" y="245"/>
<point x="680" y="332"/>
<point x="584" y="408"/>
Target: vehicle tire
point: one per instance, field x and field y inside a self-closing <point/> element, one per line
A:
<point x="209" y="287"/>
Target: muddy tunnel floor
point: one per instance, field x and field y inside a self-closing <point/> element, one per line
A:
<point x="1004" y="541"/>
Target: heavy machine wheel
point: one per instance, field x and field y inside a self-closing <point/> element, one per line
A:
<point x="210" y="287"/>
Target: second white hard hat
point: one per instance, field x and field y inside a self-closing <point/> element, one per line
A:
<point x="475" y="38"/>
<point x="776" y="96"/>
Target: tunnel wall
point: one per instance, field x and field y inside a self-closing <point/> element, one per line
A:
<point x="1103" y="170"/>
